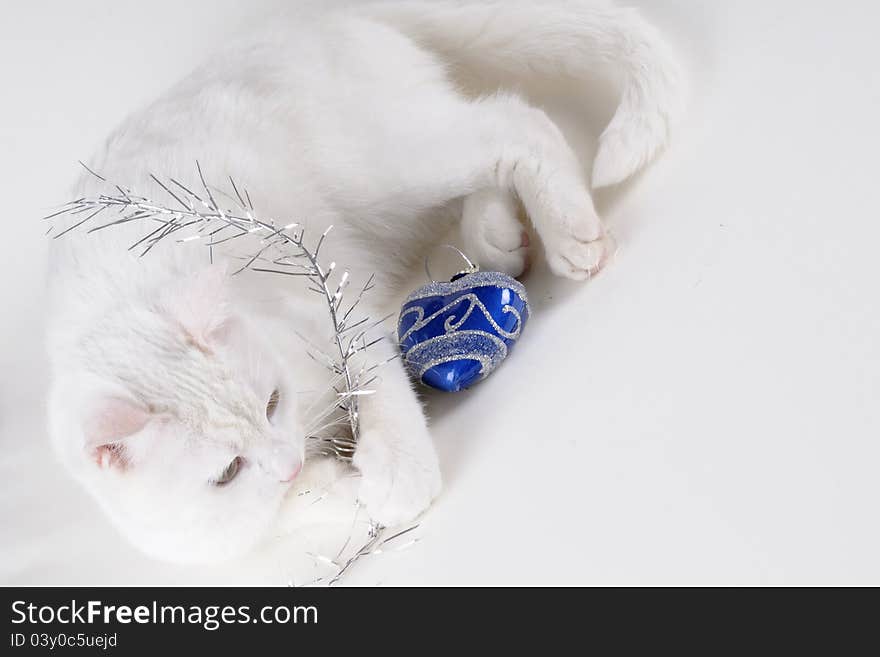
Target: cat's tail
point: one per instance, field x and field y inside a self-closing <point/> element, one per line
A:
<point x="576" y="39"/>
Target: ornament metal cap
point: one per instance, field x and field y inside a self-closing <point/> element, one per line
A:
<point x="471" y="266"/>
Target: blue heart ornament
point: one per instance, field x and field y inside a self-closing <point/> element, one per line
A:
<point x="453" y="334"/>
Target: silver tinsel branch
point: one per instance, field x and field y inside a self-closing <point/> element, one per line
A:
<point x="198" y="216"/>
<point x="190" y="216"/>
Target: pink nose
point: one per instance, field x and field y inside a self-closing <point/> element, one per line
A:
<point x="293" y="473"/>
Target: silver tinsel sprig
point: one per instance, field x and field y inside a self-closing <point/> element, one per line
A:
<point x="190" y="216"/>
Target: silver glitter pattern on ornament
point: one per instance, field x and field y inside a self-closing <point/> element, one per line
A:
<point x="476" y="279"/>
<point x="470" y="345"/>
<point x="453" y="322"/>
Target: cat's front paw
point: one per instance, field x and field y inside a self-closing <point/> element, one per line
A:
<point x="578" y="259"/>
<point x="399" y="480"/>
<point x="493" y="234"/>
<point x="575" y="242"/>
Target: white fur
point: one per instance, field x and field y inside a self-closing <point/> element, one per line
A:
<point x="163" y="366"/>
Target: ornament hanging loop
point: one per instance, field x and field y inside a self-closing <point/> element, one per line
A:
<point x="470" y="269"/>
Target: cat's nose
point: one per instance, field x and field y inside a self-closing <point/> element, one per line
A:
<point x="292" y="473"/>
<point x="282" y="461"/>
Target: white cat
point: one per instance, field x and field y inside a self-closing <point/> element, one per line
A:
<point x="179" y="395"/>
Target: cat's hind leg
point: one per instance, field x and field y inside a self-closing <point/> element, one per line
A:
<point x="532" y="158"/>
<point x="501" y="143"/>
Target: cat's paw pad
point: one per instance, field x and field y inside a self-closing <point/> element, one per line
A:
<point x="578" y="248"/>
<point x="493" y="234"/>
<point x="396" y="486"/>
<point x="500" y="247"/>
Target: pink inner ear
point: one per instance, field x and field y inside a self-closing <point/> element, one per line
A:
<point x="113" y="420"/>
<point x="111" y="455"/>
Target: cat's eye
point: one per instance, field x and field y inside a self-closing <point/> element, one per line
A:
<point x="272" y="404"/>
<point x="229" y="472"/>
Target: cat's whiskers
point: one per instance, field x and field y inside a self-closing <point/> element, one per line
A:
<point x="318" y="421"/>
<point x="331" y="386"/>
<point x="335" y="405"/>
<point x="327" y="412"/>
<point x="313" y="432"/>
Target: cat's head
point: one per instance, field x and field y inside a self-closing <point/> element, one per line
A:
<point x="179" y="417"/>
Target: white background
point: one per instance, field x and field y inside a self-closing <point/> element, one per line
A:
<point x="705" y="411"/>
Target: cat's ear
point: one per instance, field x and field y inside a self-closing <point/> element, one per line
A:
<point x="110" y="422"/>
<point x="199" y="304"/>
